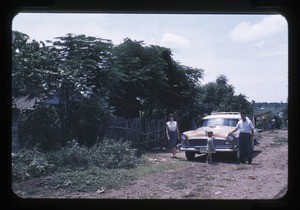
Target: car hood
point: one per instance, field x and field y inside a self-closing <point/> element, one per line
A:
<point x="220" y="132"/>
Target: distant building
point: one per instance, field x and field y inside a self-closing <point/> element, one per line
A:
<point x="21" y="105"/>
<point x="263" y="112"/>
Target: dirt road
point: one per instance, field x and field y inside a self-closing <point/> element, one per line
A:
<point x="265" y="178"/>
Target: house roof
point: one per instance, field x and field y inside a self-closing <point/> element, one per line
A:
<point x="24" y="102"/>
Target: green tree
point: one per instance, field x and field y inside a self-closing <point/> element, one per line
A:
<point x="219" y="96"/>
<point x="88" y="117"/>
<point x="74" y="68"/>
<point x="144" y="78"/>
<point x="155" y="84"/>
<point x="31" y="63"/>
<point x="41" y="127"/>
<point x="84" y="66"/>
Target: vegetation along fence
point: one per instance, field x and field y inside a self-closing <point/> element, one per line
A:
<point x="141" y="132"/>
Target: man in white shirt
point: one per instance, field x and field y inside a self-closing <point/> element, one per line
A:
<point x="246" y="128"/>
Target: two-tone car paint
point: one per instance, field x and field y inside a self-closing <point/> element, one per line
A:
<point x="220" y="123"/>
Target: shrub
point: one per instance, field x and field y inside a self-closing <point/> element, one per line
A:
<point x="111" y="153"/>
<point x="87" y="117"/>
<point x="41" y="126"/>
<point x="71" y="156"/>
<point x="29" y="163"/>
<point x="108" y="154"/>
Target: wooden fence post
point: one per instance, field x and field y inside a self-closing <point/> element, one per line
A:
<point x="142" y="133"/>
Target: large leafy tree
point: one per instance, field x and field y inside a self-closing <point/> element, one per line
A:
<point x="74" y="68"/>
<point x="219" y="96"/>
<point x="145" y="78"/>
<point x="155" y="84"/>
<point x="85" y="73"/>
<point x="31" y="63"/>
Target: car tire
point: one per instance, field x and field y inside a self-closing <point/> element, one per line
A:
<point x="190" y="155"/>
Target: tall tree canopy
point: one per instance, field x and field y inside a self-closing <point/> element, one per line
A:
<point x="219" y="96"/>
<point x="31" y="63"/>
<point x="95" y="79"/>
<point x="155" y="83"/>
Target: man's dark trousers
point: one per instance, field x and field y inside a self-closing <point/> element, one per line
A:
<point x="245" y="147"/>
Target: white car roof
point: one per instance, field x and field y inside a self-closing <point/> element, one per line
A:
<point x="231" y="115"/>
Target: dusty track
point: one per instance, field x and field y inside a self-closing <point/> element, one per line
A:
<point x="265" y="178"/>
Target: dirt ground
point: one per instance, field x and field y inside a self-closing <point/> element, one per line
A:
<point x="265" y="178"/>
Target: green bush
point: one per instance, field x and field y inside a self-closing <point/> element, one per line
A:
<point x="71" y="156"/>
<point x="111" y="153"/>
<point x="107" y="154"/>
<point x="41" y="126"/>
<point x="87" y="117"/>
<point x="30" y="163"/>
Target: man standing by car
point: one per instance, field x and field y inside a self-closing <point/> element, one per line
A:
<point x="246" y="128"/>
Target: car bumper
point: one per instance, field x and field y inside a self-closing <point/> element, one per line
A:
<point x="202" y="149"/>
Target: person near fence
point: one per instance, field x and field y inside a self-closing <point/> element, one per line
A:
<point x="172" y="132"/>
<point x="210" y="147"/>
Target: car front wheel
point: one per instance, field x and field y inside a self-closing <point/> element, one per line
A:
<point x="190" y="155"/>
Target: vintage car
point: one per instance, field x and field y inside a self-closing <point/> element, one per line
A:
<point x="221" y="123"/>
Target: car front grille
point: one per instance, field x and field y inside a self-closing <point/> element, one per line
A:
<point x="219" y="143"/>
<point x="197" y="142"/>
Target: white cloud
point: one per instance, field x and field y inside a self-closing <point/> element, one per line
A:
<point x="247" y="32"/>
<point x="174" y="41"/>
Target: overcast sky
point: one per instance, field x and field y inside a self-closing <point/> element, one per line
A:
<point x="250" y="50"/>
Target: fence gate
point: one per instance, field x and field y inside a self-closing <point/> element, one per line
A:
<point x="141" y="132"/>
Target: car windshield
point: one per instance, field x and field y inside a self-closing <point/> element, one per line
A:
<point x="219" y="122"/>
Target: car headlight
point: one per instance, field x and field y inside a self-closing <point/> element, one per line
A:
<point x="183" y="137"/>
<point x="230" y="137"/>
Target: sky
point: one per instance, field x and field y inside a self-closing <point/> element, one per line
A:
<point x="250" y="50"/>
